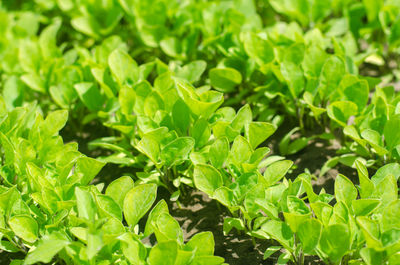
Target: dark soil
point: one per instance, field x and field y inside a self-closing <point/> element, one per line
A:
<point x="313" y="157"/>
<point x="197" y="213"/>
<point x="7" y="257"/>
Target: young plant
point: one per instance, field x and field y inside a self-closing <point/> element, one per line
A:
<point x="50" y="212"/>
<point x="353" y="230"/>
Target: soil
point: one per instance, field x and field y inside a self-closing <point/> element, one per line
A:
<point x="197" y="213"/>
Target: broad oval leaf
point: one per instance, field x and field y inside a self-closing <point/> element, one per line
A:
<point x="119" y="188"/>
<point x="276" y="171"/>
<point x="177" y="150"/>
<point x="225" y="79"/>
<point x="138" y="201"/>
<point x="164" y="253"/>
<point x="309" y="233"/>
<point x="332" y="245"/>
<point x="345" y="191"/>
<point x="24" y="227"/>
<point x="258" y="132"/>
<point x="207" y="179"/>
<point x="341" y="111"/>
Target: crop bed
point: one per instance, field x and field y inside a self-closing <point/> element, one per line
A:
<point x="199" y="132"/>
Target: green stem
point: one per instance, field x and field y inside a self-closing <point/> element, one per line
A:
<point x="253" y="240"/>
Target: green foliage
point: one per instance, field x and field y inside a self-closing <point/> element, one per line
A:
<point x="50" y="212"/>
<point x="184" y="95"/>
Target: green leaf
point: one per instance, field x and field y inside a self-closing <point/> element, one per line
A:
<point x="331" y="74"/>
<point x="258" y="132"/>
<point x="54" y="122"/>
<point x="177" y="150"/>
<point x="391" y="238"/>
<point x="150" y="147"/>
<point x="171" y="46"/>
<point x="241" y="151"/>
<point x="364" y="207"/>
<point x="375" y="140"/>
<point x="297" y="145"/>
<point x="123" y="67"/>
<point x="85" y="203"/>
<point x="298" y="10"/>
<point x="87" y="168"/>
<point x="309" y="98"/>
<point x="258" y="49"/>
<point x="181" y="116"/>
<point x="201" y="132"/>
<point x="201" y="105"/>
<point x="13" y="92"/>
<point x="230" y="223"/>
<point x="164" y="253"/>
<point x="90" y="95"/>
<point x="225" y="79"/>
<point x="202" y="243"/>
<point x="390" y="216"/>
<point x="47" y="248"/>
<point x="332" y="245"/>
<point x="94" y="244"/>
<point x="309" y="233"/>
<point x="119" y="188"/>
<point x="355" y="90"/>
<point x="341" y="111"/>
<point x="371" y="256"/>
<point x="294" y="77"/>
<point x="207" y="178"/>
<point x="296" y="205"/>
<point x="345" y="190"/>
<point x="271" y="250"/>
<point x="24" y="227"/>
<point x="209" y="260"/>
<point x="298" y="212"/>
<point x="279" y="231"/>
<point x="276" y="171"/>
<point x="167" y="228"/>
<point x="372" y="7"/>
<point x="108" y="207"/>
<point x="133" y="249"/>
<point x="391" y="132"/>
<point x="138" y="201"/>
<point x="127" y="98"/>
<point x="242" y="118"/>
<point x="153" y="103"/>
<point x="159" y="209"/>
<point x="268" y="208"/>
<point x="225" y="196"/>
<point x="192" y="71"/>
<point x="86" y="25"/>
<point x="383" y="172"/>
<point x="47" y="40"/>
<point x="219" y="151"/>
<point x="370" y="230"/>
<point x="366" y="185"/>
<point x="386" y="190"/>
<point x="322" y="211"/>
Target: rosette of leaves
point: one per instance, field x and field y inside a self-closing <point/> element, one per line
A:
<point x="229" y="171"/>
<point x="357" y="228"/>
<point x="373" y="135"/>
<point x="175" y="124"/>
<point x="35" y="66"/>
